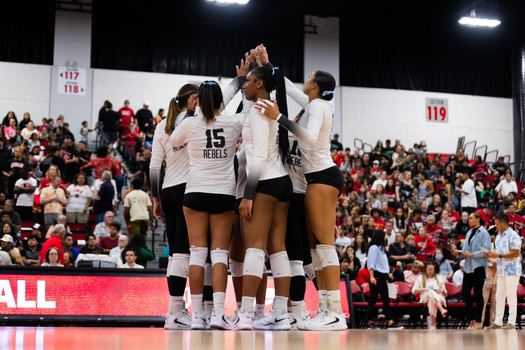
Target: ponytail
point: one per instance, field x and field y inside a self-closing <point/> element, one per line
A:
<point x="177" y="104"/>
<point x="326" y="83"/>
<point x="210" y="99"/>
<point x="273" y="79"/>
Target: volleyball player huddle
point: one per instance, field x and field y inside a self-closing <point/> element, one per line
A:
<point x="281" y="201"/>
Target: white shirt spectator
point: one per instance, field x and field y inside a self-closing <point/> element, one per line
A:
<point x="102" y="231"/>
<point x="469" y="200"/>
<point x="390" y="239"/>
<point x="25" y="199"/>
<point x="116" y="251"/>
<point x="126" y="266"/>
<point x="78" y="197"/>
<point x="379" y="182"/>
<point x="506" y="187"/>
<point x="457" y="279"/>
<point x="344" y="242"/>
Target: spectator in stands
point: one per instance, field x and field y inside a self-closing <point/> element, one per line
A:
<point x="335" y="144"/>
<point x="143" y="172"/>
<point x="378" y="223"/>
<point x="68" y="135"/>
<point x="424" y="243"/>
<point x="7" y="246"/>
<point x="378" y="266"/>
<point x="463" y="225"/>
<point x="380" y="181"/>
<point x="104" y="197"/>
<point x="415" y="221"/>
<point x="54" y="157"/>
<point x="102" y="161"/>
<point x="111" y="121"/>
<point x="10" y="130"/>
<point x="29" y="130"/>
<point x="25" y="188"/>
<point x="10" y="115"/>
<point x="389" y="233"/>
<point x="400" y="251"/>
<point x="130" y="257"/>
<point x="52" y="171"/>
<point x="355" y="263"/>
<point x="469" y="202"/>
<point x="53" y="199"/>
<point x="394" y="275"/>
<point x="486" y="215"/>
<point x="433" y="174"/>
<point x="126" y="117"/>
<point x="426" y="188"/>
<point x="436" y="207"/>
<point x="8" y="228"/>
<point x="404" y="188"/>
<point x="413" y="203"/>
<point x="15" y="218"/>
<point x="122" y="243"/>
<point x="432" y="291"/>
<point x="57" y="236"/>
<point x="432" y="227"/>
<point x="109" y="242"/>
<point x="384" y="213"/>
<point x="138" y="243"/>
<point x="507" y="186"/>
<point x="507" y="253"/>
<point x="360" y="247"/>
<point x="138" y="210"/>
<point x="31" y="254"/>
<point x="453" y="215"/>
<point x="52" y="258"/>
<point x="144" y="117"/>
<point x="72" y="162"/>
<point x="130" y="135"/>
<point x="344" y="268"/>
<point x="68" y="246"/>
<point x="69" y="259"/>
<point x="400" y="222"/>
<point x="102" y="228"/>
<point x="457" y="279"/>
<point x="414" y="273"/>
<point x="499" y="167"/>
<point x="514" y="218"/>
<point x="12" y="170"/>
<point x="79" y="199"/>
<point x="91" y="245"/>
<point x="475" y="267"/>
<point x="480" y="165"/>
<point x="35" y="230"/>
<point x="444" y="267"/>
<point x="376" y="204"/>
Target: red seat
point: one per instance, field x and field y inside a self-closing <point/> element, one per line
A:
<point x="28" y="224"/>
<point x="24" y="235"/>
<point x="92" y="217"/>
<point x="355" y="288"/>
<point x="77" y="227"/>
<point x="78" y="236"/>
<point x="391" y="210"/>
<point x="520" y="184"/>
<point x="403" y="289"/>
<point x="521" y="291"/>
<point x="471" y="161"/>
<point x="422" y="257"/>
<point x="452" y="289"/>
<point x="460" y="237"/>
<point x="440" y="186"/>
<point x="366" y="289"/>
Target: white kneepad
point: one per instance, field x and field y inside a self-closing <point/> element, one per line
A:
<point x="296" y="268"/>
<point x="219" y="256"/>
<point x="254" y="262"/>
<point x="327" y="255"/>
<point x="236" y="268"/>
<point x="179" y="265"/>
<point x="280" y="265"/>
<point x="315" y="260"/>
<point x="198" y="256"/>
<point x="309" y="271"/>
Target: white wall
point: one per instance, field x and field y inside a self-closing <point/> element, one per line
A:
<point x="24" y="88"/>
<point x="373" y="114"/>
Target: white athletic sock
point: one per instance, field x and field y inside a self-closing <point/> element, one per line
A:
<point x="322" y="299"/>
<point x="289" y="309"/>
<point x="260" y="308"/>
<point x="280" y="303"/>
<point x="208" y="308"/>
<point x="239" y="305"/>
<point x="334" y="301"/>
<point x="247" y="303"/>
<point x="198" y="305"/>
<point x="218" y="302"/>
<point x="297" y="308"/>
<point x="176" y="305"/>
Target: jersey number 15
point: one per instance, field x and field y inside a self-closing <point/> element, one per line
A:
<point x="221" y="141"/>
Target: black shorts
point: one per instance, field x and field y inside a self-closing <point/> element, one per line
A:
<point x="209" y="202"/>
<point x="237" y="205"/>
<point x="331" y="177"/>
<point x="280" y="188"/>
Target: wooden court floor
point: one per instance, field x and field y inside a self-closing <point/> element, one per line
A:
<point x="68" y="338"/>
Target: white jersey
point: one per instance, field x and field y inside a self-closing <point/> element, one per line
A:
<point x="177" y="169"/>
<point x="316" y="130"/>
<point x="211" y="147"/>
<point x="260" y="138"/>
<point x="295" y="170"/>
<point x="241" y="172"/>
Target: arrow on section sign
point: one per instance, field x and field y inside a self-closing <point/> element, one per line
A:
<point x="61" y="75"/>
<point x="82" y="90"/>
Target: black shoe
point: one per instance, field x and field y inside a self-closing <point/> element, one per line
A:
<point x="372" y="326"/>
<point x="395" y="325"/>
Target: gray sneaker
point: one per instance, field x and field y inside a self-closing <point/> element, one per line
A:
<point x="508" y="326"/>
<point x="493" y="326"/>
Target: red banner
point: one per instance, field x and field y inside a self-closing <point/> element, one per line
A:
<point x="109" y="296"/>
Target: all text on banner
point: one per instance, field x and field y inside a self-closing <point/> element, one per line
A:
<point x="71" y="81"/>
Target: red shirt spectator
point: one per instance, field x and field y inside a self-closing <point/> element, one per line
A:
<point x="486" y="215"/>
<point x="515" y="218"/>
<point x="53" y="241"/>
<point x="108" y="243"/>
<point x="354" y="171"/>
<point x="425" y="245"/>
<point x="132" y="136"/>
<point x="339" y="159"/>
<point x="379" y="224"/>
<point x="362" y="276"/>
<point x="434" y="228"/>
<point x="100" y="163"/>
<point x="126" y="115"/>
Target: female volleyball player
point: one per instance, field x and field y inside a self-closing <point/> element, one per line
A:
<point x="325" y="183"/>
<point x="209" y="199"/>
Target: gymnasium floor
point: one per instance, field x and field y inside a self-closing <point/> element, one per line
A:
<point x="158" y="339"/>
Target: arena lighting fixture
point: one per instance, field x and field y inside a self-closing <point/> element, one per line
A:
<point x="473" y="20"/>
<point x="240" y="2"/>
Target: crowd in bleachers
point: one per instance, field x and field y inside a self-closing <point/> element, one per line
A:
<point x="422" y="201"/>
<point x="56" y="193"/>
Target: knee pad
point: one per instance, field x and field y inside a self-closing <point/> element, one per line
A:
<point x="236" y="268"/>
<point x="280" y="265"/>
<point x="327" y="255"/>
<point x="316" y="262"/>
<point x="208" y="269"/>
<point x="198" y="256"/>
<point x="219" y="256"/>
<point x="253" y="262"/>
<point x="179" y="266"/>
<point x="309" y="271"/>
<point x="296" y="268"/>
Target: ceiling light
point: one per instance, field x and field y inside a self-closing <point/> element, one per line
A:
<point x="240" y="2"/>
<point x="473" y="20"/>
